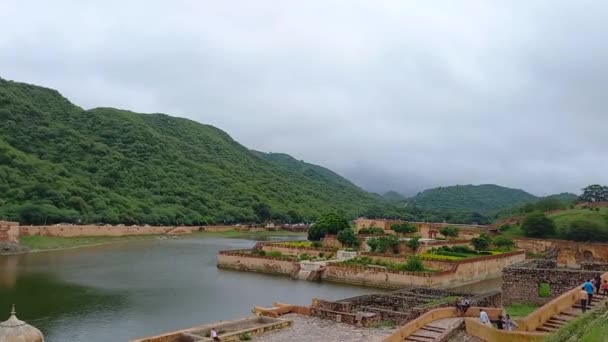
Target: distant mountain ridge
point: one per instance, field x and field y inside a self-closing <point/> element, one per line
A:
<point x="485" y="198"/>
<point x="60" y="163"/>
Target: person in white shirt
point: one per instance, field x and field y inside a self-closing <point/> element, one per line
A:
<point x="214" y="335"/>
<point x="483" y="318"/>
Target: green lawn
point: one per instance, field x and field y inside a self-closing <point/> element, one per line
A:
<point x="53" y="242"/>
<point x="520" y="310"/>
<point x="565" y="217"/>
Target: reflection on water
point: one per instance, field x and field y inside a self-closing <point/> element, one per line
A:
<point x="118" y="292"/>
<point x="482" y="286"/>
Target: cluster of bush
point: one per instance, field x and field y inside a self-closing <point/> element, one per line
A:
<point x="371" y="231"/>
<point x="458" y="251"/>
<point x="404" y="228"/>
<point x="383" y="244"/>
<point x="413" y="264"/>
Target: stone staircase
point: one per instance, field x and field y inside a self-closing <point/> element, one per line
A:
<point x="557" y="321"/>
<point x="435" y="331"/>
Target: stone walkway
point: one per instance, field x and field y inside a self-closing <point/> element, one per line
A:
<point x="436" y="330"/>
<point x="313" y="329"/>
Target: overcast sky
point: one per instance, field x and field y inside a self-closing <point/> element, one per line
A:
<point x="401" y="95"/>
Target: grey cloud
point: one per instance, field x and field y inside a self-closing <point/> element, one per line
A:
<point x="391" y="94"/>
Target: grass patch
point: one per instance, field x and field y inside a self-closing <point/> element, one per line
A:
<point x="54" y="242"/>
<point x="385" y="324"/>
<point x="521" y="310"/>
<point x="564" y="218"/>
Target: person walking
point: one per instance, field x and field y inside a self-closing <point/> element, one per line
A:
<point x="605" y="288"/>
<point x="483" y="318"/>
<point x="598" y="284"/>
<point x="510" y="324"/>
<point x="590" y="290"/>
<point x="582" y="296"/>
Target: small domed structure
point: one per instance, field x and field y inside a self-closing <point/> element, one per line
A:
<point x="15" y="330"/>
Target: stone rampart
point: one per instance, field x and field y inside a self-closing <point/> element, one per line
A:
<point x="9" y="232"/>
<point x="522" y="282"/>
<point x="241" y="261"/>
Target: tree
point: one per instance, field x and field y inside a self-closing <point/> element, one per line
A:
<point x="595" y="193"/>
<point x="585" y="230"/>
<point x="348" y="238"/>
<point x="481" y="243"/>
<point x="383" y="243"/>
<point x="449" y="231"/>
<point x="404" y="228"/>
<point x="503" y="243"/>
<point x="329" y="223"/>
<point x="262" y="211"/>
<point x="536" y="224"/>
<point x="414" y="243"/>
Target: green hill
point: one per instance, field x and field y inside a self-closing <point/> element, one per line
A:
<point x="59" y="162"/>
<point x="394" y="196"/>
<point x="471" y="198"/>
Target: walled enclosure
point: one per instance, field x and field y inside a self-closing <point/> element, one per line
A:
<point x="452" y="274"/>
<point x="9" y="232"/>
<point x="296" y="251"/>
<point x="522" y="281"/>
<point x="399" y="306"/>
<point x="569" y="253"/>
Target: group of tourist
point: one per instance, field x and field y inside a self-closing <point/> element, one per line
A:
<point x="503" y="322"/>
<point x="590" y="287"/>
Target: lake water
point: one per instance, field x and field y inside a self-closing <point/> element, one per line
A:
<point x="122" y="291"/>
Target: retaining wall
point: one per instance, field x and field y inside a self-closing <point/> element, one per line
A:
<point x="571" y="254"/>
<point x="238" y="260"/>
<point x="464" y="272"/>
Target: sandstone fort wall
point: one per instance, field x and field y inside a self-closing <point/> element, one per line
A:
<point x="570" y="253"/>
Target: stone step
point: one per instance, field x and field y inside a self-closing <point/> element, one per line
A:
<point x="552" y="325"/>
<point x="570" y="312"/>
<point x="563" y="318"/>
<point x="547" y="329"/>
<point x="556" y="321"/>
<point x="416" y="339"/>
<point x="432" y="329"/>
<point x="435" y="327"/>
<point x="423" y="336"/>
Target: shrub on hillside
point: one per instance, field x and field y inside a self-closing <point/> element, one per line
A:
<point x="585" y="230"/>
<point x="503" y="243"/>
<point x="330" y="223"/>
<point x="413" y="264"/>
<point x="371" y="231"/>
<point x="536" y="224"/>
<point x="481" y="243"/>
<point x="449" y="231"/>
<point x="348" y="238"/>
<point x="414" y="243"/>
<point x="404" y="228"/>
<point x="384" y="243"/>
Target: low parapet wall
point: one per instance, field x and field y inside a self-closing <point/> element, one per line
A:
<point x="486" y="333"/>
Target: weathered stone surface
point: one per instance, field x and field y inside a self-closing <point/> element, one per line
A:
<point x="314" y="329"/>
<point x="521" y="281"/>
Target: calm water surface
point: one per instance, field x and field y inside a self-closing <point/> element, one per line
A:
<point x="122" y="291"/>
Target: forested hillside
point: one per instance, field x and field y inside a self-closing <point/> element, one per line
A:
<point x="59" y="162"/>
<point x="485" y="198"/>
